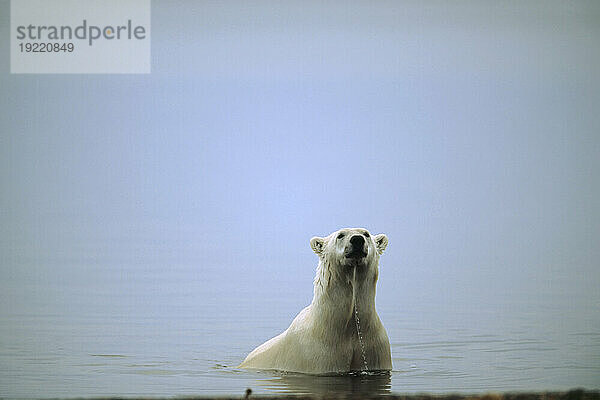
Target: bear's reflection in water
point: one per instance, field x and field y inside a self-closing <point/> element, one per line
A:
<point x="365" y="383"/>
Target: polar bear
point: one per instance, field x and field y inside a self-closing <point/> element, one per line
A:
<point x="340" y="330"/>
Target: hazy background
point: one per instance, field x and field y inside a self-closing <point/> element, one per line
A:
<point x="468" y="132"/>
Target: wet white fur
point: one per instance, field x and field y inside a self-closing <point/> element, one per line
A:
<point x="323" y="337"/>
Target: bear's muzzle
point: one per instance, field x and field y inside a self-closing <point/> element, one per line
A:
<point x="356" y="248"/>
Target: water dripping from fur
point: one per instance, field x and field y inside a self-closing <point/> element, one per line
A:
<point x="357" y="321"/>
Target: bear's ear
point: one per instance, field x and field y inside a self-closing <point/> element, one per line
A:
<point x="317" y="244"/>
<point x="381" y="241"/>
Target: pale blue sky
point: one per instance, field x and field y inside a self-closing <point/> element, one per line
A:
<point x="467" y="132"/>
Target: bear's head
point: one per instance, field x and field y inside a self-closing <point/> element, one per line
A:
<point x="350" y="247"/>
<point x="349" y="251"/>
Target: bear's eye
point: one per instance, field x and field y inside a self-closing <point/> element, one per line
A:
<point x="367" y="234"/>
<point x="340" y="236"/>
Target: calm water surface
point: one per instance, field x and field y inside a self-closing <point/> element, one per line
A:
<point x="160" y="331"/>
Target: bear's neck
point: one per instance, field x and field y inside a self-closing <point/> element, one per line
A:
<point x="341" y="293"/>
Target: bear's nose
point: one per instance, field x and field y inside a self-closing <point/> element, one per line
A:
<point x="357" y="242"/>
